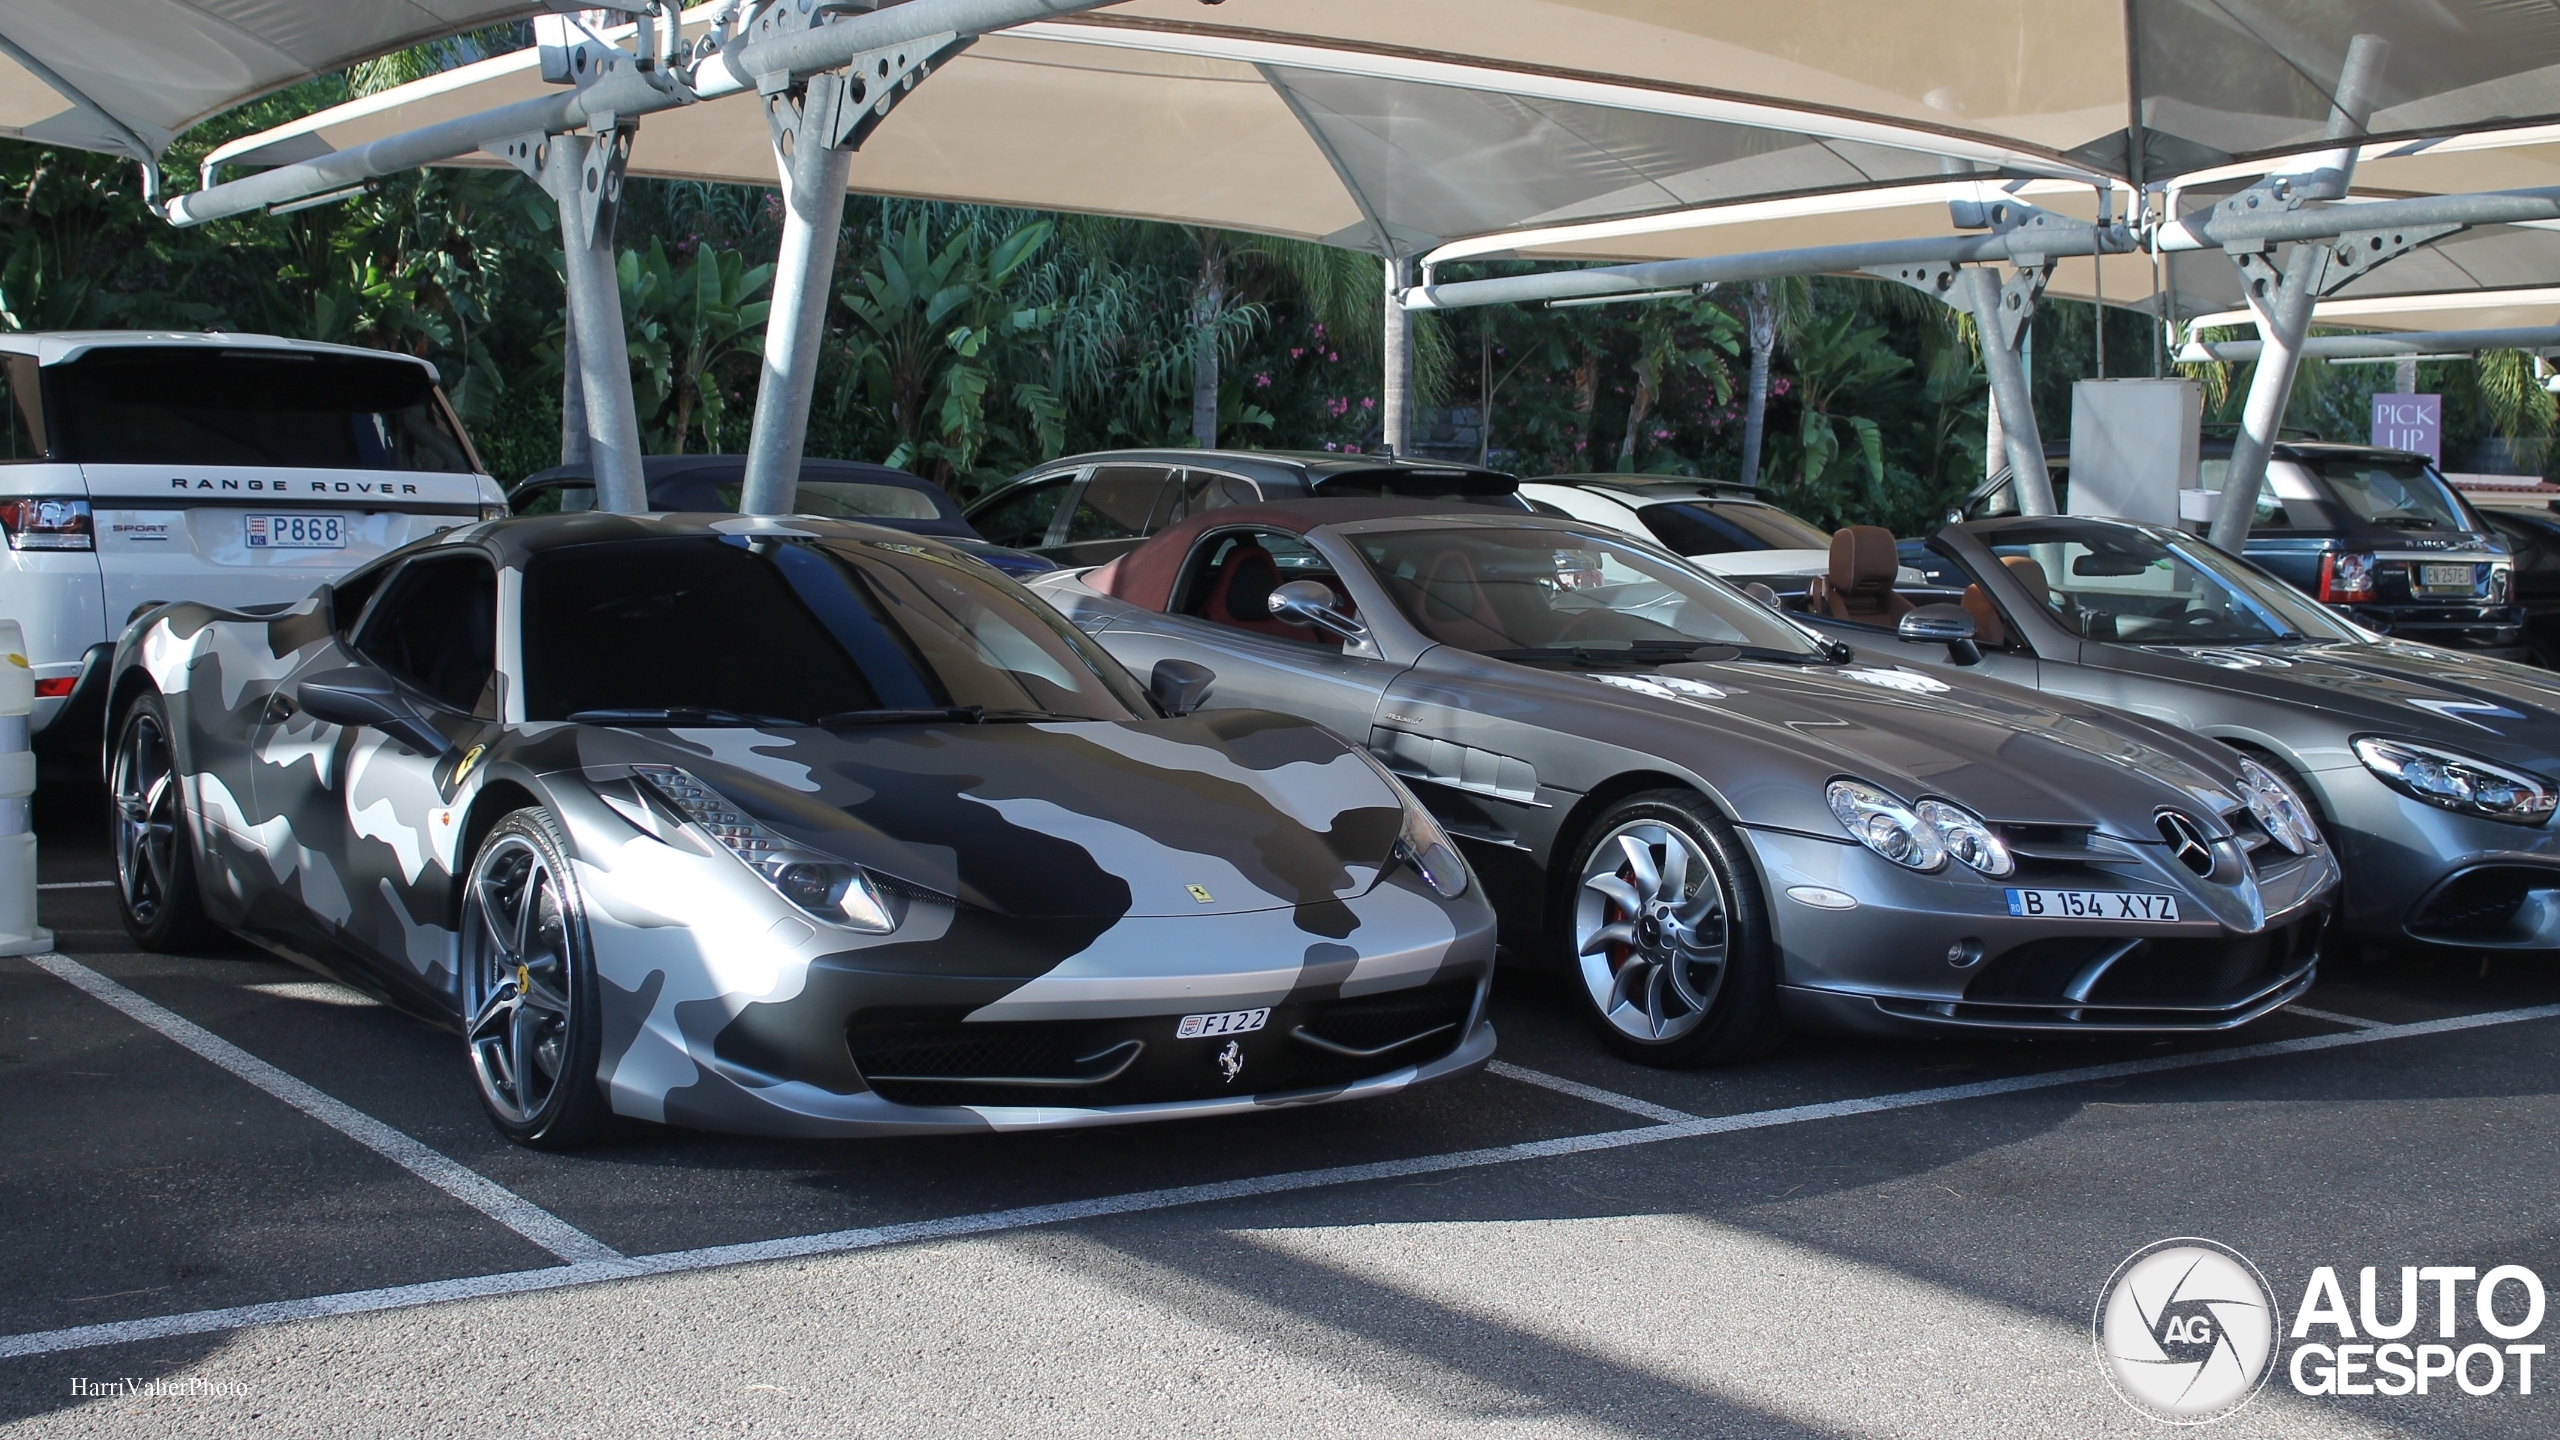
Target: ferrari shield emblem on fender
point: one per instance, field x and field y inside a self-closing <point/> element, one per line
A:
<point x="1199" y="893"/>
<point x="1231" y="1060"/>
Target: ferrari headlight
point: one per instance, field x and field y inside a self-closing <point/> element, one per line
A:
<point x="1421" y="843"/>
<point x="2279" y="811"/>
<point x="1966" y="837"/>
<point x="1886" y="825"/>
<point x="2458" y="782"/>
<point x="829" y="889"/>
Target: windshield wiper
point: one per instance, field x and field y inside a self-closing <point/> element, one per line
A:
<point x="913" y="715"/>
<point x="678" y="715"/>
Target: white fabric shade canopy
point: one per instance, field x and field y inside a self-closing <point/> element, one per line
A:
<point x="149" y="69"/>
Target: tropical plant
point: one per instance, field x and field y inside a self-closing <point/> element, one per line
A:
<point x="690" y="326"/>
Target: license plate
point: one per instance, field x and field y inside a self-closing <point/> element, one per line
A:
<point x="2093" y="905"/>
<point x="297" y="532"/>
<point x="2445" y="577"/>
<point x="1233" y="1022"/>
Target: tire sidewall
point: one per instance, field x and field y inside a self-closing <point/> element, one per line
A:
<point x="576" y="1112"/>
<point x="181" y="924"/>
<point x="1742" y="1022"/>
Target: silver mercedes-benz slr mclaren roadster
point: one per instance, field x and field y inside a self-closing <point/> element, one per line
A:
<point x="793" y="828"/>
<point x="1714" y="818"/>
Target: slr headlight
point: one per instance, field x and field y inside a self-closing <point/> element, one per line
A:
<point x="2458" y="782"/>
<point x="1966" y="837"/>
<point x="1886" y="825"/>
<point x="2279" y="811"/>
<point x="833" y="891"/>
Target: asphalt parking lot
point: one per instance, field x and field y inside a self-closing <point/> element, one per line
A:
<point x="281" y="1203"/>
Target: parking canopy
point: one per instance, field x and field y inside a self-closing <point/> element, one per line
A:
<point x="128" y="76"/>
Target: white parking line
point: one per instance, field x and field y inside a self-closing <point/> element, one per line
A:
<point x="1660" y="1114"/>
<point x="400" y="1297"/>
<point x="449" y="1175"/>
<point x="2334" y="1018"/>
<point x="77" y="885"/>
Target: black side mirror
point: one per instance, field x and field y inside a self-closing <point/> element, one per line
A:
<point x="1947" y="623"/>
<point x="1180" y="686"/>
<point x="361" y="695"/>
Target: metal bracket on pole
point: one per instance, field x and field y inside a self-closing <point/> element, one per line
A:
<point x="817" y="122"/>
<point x="2003" y="310"/>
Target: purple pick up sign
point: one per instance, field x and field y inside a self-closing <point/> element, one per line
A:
<point x="2410" y="422"/>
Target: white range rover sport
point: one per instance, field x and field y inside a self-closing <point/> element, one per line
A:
<point x="140" y="467"/>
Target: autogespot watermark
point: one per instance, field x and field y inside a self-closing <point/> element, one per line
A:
<point x="2187" y="1331"/>
<point x="162" y="1387"/>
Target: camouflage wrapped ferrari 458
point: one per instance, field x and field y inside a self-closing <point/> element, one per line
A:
<point x="792" y="828"/>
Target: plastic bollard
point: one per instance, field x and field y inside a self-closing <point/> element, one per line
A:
<point x="19" y="932"/>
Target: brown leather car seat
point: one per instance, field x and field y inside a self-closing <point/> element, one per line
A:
<point x="1864" y="565"/>
<point x="1989" y="630"/>
<point x="1454" y="607"/>
<point x="1240" y="594"/>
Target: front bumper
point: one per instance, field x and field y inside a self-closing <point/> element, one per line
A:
<point x="1888" y="965"/>
<point x="2417" y="872"/>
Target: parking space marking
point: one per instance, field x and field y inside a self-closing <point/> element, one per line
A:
<point x="443" y="1172"/>
<point x="401" y="1297"/>
<point x="77" y="885"/>
<point x="1660" y="1114"/>
<point x="2334" y="1018"/>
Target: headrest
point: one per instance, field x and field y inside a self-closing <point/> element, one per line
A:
<point x="2030" y="574"/>
<point x="1863" y="558"/>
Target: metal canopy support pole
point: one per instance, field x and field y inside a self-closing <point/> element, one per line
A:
<point x="813" y="217"/>
<point x="2004" y="313"/>
<point x="584" y="173"/>
<point x="2283" y="303"/>
<point x="1395" y="404"/>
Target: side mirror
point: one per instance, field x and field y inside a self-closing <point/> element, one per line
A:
<point x="361" y="695"/>
<point x="1947" y="624"/>
<point x="1763" y="594"/>
<point x="1310" y="602"/>
<point x="1180" y="686"/>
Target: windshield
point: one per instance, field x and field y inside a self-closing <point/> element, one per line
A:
<point x="2395" y="494"/>
<point x="1533" y="594"/>
<point x="848" y="500"/>
<point x="2157" y="587"/>
<point x="797" y="630"/>
<point x="145" y="405"/>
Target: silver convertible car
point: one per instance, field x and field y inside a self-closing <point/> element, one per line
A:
<point x="1714" y="818"/>
<point x="2435" y="772"/>
<point x="786" y="827"/>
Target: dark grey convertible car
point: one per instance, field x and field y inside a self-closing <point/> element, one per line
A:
<point x="2435" y="771"/>
<point x="792" y="827"/>
<point x="1713" y="817"/>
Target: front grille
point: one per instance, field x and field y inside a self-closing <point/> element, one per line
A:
<point x="1303" y="1046"/>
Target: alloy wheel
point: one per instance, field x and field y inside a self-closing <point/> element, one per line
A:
<point x="1652" y="930"/>
<point x="516" y="964"/>
<point x="145" y="787"/>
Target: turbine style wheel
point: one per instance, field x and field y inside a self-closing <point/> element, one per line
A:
<point x="533" y="1024"/>
<point x="155" y="859"/>
<point x="1667" y="935"/>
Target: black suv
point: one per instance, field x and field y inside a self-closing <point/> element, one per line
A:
<point x="1088" y="509"/>
<point x="2377" y="533"/>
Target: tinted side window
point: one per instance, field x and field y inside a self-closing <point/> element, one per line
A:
<point x="436" y="628"/>
<point x="1694" y="530"/>
<point x="347" y="597"/>
<point x="21" y="410"/>
<point x="1021" y="519"/>
<point x="1117" y="503"/>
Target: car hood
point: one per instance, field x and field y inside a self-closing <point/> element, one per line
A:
<point x="1772" y="735"/>
<point x="2470" y="702"/>
<point x="1219" y="813"/>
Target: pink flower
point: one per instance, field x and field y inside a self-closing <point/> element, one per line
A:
<point x="1262" y="380"/>
<point x="1368" y="402"/>
<point x="1295" y="352"/>
<point x="1331" y="355"/>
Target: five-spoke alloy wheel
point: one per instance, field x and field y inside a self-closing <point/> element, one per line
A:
<point x="1666" y="935"/>
<point x="532" y="1026"/>
<point x="155" y="860"/>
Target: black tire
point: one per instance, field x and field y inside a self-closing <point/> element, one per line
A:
<point x="155" y="847"/>
<point x="532" y="1020"/>
<point x="1682" y="971"/>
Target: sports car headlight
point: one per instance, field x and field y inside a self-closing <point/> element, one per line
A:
<point x="835" y="892"/>
<point x="1966" y="837"/>
<point x="2458" y="782"/>
<point x="1886" y="825"/>
<point x="1421" y="843"/>
<point x="2279" y="811"/>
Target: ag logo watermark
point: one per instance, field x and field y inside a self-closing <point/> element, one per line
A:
<point x="2186" y="1330"/>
